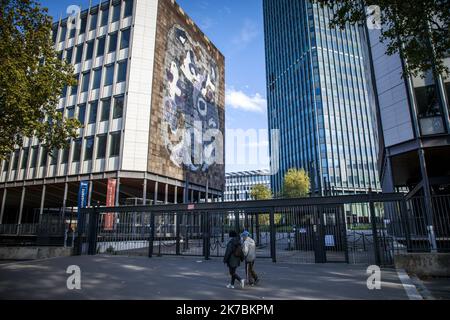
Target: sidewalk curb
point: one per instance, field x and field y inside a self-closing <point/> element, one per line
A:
<point x="409" y="286"/>
<point x="423" y="290"/>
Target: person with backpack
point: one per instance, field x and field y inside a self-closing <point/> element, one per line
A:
<point x="249" y="250"/>
<point x="233" y="258"/>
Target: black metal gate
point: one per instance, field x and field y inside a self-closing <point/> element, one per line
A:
<point x="347" y="229"/>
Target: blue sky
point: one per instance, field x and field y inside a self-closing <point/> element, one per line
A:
<point x="236" y="28"/>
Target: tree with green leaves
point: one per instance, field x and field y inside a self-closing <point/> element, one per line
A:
<point x="261" y="192"/>
<point x="416" y="30"/>
<point x="32" y="79"/>
<point x="296" y="184"/>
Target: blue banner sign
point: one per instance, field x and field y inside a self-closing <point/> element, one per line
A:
<point x="83" y="194"/>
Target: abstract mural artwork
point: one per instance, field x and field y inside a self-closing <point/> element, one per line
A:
<point x="190" y="104"/>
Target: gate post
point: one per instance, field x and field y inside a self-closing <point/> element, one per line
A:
<point x="404" y="217"/>
<point x="152" y="235"/>
<point x="237" y="222"/>
<point x="206" y="236"/>
<point x="177" y="226"/>
<point x="273" y="252"/>
<point x="376" y="242"/>
<point x="258" y="232"/>
<point x="342" y="227"/>
<point x="77" y="241"/>
<point x="92" y="235"/>
<point x="320" y="253"/>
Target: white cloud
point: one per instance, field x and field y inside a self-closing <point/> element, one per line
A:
<point x="239" y="100"/>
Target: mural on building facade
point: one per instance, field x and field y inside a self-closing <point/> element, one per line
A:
<point x="190" y="104"/>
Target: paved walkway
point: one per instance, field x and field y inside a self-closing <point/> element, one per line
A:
<point x="188" y="278"/>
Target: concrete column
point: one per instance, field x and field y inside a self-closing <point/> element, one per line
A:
<point x="155" y="196"/>
<point x="117" y="192"/>
<point x="41" y="210"/>
<point x="175" y="196"/>
<point x="91" y="185"/>
<point x="428" y="201"/>
<point x="144" y="192"/>
<point x="22" y="199"/>
<point x="166" y="194"/>
<point x="207" y="192"/>
<point x="2" y="211"/>
<point x="66" y="187"/>
<point x="192" y="196"/>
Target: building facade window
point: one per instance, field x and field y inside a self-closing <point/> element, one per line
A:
<point x="105" y="17"/>
<point x="54" y="157"/>
<point x="76" y="150"/>
<point x="44" y="157"/>
<point x="101" y="46"/>
<point x="109" y="75"/>
<point x="90" y="50"/>
<point x="114" y="150"/>
<point x="34" y="156"/>
<point x="85" y="82"/>
<point x="70" y="112"/>
<point x="82" y="113"/>
<point x="101" y="146"/>
<point x="106" y="107"/>
<point x="97" y="79"/>
<point x="122" y="71"/>
<point x="118" y="107"/>
<point x="94" y="18"/>
<point x="69" y="53"/>
<point x="83" y="24"/>
<point x="428" y="102"/>
<point x="112" y="42"/>
<point x="65" y="155"/>
<point x="79" y="54"/>
<point x="93" y="106"/>
<point x="125" y="39"/>
<point x="25" y="155"/>
<point x="116" y="13"/>
<point x="89" y="149"/>
<point x="128" y="8"/>
<point x="63" y="33"/>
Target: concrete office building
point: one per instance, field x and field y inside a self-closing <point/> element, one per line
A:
<point x="414" y="125"/>
<point x="145" y="73"/>
<point x="319" y="97"/>
<point x="238" y="185"/>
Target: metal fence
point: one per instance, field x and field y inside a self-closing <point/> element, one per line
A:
<point x="366" y="229"/>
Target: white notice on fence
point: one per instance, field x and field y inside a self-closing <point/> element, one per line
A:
<point x="329" y="240"/>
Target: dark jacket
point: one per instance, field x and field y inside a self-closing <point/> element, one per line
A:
<point x="230" y="259"/>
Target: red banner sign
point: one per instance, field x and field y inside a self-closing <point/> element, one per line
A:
<point x="108" y="223"/>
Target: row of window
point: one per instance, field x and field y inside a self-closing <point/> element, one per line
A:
<point x="114" y="151"/>
<point x="108" y="78"/>
<point x="105" y="110"/>
<point x="101" y="47"/>
<point x="94" y="15"/>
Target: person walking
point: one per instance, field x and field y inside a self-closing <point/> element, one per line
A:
<point x="249" y="250"/>
<point x="233" y="257"/>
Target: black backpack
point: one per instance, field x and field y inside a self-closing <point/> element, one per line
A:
<point x="237" y="252"/>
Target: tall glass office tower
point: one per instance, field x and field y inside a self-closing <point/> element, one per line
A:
<point x="320" y="98"/>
